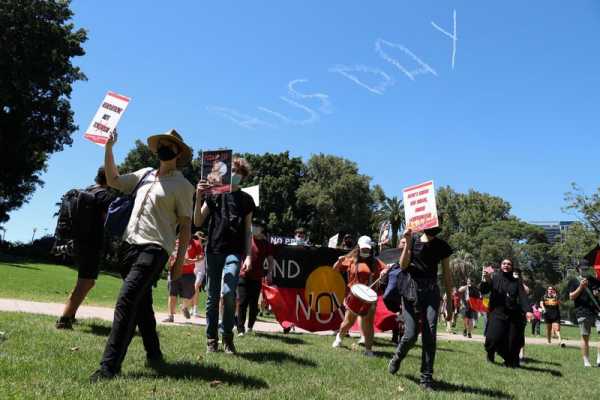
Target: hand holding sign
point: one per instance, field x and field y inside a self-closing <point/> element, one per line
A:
<point x="106" y="119"/>
<point x="419" y="207"/>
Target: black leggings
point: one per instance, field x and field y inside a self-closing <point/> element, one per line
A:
<point x="248" y="292"/>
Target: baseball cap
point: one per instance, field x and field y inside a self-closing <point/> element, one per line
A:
<point x="365" y="242"/>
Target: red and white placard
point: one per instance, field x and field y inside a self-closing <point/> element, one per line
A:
<point x="420" y="209"/>
<point x="107" y="117"/>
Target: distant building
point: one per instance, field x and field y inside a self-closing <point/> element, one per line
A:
<point x="555" y="230"/>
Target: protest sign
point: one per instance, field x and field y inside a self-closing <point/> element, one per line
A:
<point x="107" y="117"/>
<point x="216" y="170"/>
<point x="420" y="209"/>
<point x="254" y="192"/>
<point x="333" y="241"/>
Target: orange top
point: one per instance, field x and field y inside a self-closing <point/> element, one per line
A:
<point x="360" y="273"/>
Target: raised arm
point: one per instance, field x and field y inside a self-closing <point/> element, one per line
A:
<point x="110" y="168"/>
<point x="406" y="255"/>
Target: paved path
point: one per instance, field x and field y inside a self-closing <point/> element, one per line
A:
<point x="106" y="314"/>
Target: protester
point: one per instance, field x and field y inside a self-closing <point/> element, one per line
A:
<point x="364" y="268"/>
<point x="585" y="292"/>
<point x="506" y="317"/>
<point x="420" y="258"/>
<point x="536" y="320"/>
<point x="88" y="251"/>
<point x="200" y="272"/>
<point x="229" y="242"/>
<point x="184" y="285"/>
<point x="550" y="306"/>
<point x="347" y="242"/>
<point x="250" y="284"/>
<point x="300" y="238"/>
<point x="456" y="299"/>
<point x="467" y="312"/>
<point x="163" y="202"/>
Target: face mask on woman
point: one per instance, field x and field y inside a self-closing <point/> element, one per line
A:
<point x="365" y="253"/>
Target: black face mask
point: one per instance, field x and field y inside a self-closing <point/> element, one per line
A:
<point x="165" y="153"/>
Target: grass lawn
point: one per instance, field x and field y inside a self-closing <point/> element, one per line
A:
<point x="54" y="283"/>
<point x="37" y="361"/>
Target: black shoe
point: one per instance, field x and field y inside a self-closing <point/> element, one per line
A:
<point x="394" y="365"/>
<point x="101" y="375"/>
<point x="65" y="323"/>
<point x="212" y="345"/>
<point x="490" y="356"/>
<point x="465" y="332"/>
<point x="469" y="336"/>
<point x="155" y="361"/>
<point x="287" y="330"/>
<point x="228" y="345"/>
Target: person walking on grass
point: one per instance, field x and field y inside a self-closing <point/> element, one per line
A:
<point x="362" y="268"/>
<point x="229" y="249"/>
<point x="420" y="258"/>
<point x="163" y="204"/>
<point x="536" y="320"/>
<point x="585" y="293"/>
<point x="200" y="272"/>
<point x="467" y="312"/>
<point x="88" y="252"/>
<point x="183" y="286"/>
<point x="250" y="284"/>
<point x="508" y="308"/>
<point x="550" y="306"/>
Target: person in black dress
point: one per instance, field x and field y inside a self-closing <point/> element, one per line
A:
<point x="508" y="307"/>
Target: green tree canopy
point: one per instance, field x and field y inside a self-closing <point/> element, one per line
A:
<point x="336" y="196"/>
<point x="37" y="44"/>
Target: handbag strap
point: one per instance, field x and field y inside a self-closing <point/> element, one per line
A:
<point x="137" y="185"/>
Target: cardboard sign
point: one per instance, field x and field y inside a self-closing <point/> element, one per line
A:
<point x="253" y="191"/>
<point x="420" y="209"/>
<point x="107" y="117"/>
<point x="216" y="169"/>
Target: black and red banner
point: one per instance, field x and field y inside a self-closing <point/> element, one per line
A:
<point x="307" y="292"/>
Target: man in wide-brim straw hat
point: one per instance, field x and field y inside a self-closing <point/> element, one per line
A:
<point x="163" y="203"/>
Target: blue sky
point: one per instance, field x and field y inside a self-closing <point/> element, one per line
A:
<point x="517" y="117"/>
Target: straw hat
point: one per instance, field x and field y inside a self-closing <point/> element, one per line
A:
<point x="185" y="152"/>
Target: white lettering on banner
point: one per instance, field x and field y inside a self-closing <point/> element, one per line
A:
<point x="278" y="269"/>
<point x="451" y="36"/>
<point x="300" y="305"/>
<point x="306" y="310"/>
<point x="292" y="263"/>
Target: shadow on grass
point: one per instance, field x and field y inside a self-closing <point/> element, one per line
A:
<point x="552" y="372"/>
<point x="535" y="361"/>
<point x="287" y="339"/>
<point x="276" y="356"/>
<point x="21" y="266"/>
<point x="98" y="330"/>
<point x="207" y="372"/>
<point x="443" y="386"/>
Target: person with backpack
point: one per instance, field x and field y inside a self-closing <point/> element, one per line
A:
<point x="84" y="210"/>
<point x="228" y="249"/>
<point x="421" y="297"/>
<point x="162" y="204"/>
<point x="584" y="291"/>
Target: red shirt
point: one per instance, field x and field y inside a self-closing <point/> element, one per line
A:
<point x="261" y="249"/>
<point x="360" y="273"/>
<point x="193" y="251"/>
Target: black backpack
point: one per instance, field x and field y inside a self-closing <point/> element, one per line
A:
<point x="78" y="215"/>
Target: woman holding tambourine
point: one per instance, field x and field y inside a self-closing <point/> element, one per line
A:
<point x="364" y="271"/>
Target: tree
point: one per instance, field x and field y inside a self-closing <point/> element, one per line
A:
<point x="336" y="196"/>
<point x="463" y="266"/>
<point x="392" y="210"/>
<point x="586" y="207"/>
<point x="578" y="241"/>
<point x="279" y="176"/>
<point x="37" y="43"/>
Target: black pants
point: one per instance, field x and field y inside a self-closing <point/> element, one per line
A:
<point x="141" y="267"/>
<point x="535" y="326"/>
<point x="505" y="335"/>
<point x="248" y="292"/>
<point x="426" y="309"/>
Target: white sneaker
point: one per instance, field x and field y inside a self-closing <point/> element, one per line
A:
<point x="337" y="342"/>
<point x="586" y="363"/>
<point x="361" y="341"/>
<point x="369" y="353"/>
<point x="240" y="334"/>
